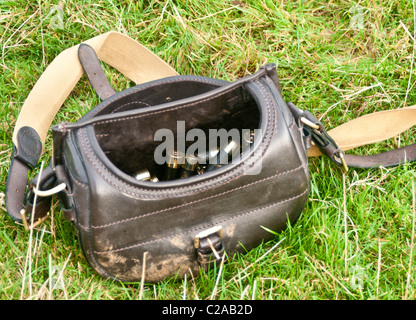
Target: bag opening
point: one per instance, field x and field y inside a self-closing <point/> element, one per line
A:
<point x="131" y="142"/>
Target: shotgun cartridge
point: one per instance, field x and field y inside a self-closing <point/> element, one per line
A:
<point x="223" y="156"/>
<point x="142" y="175"/>
<point x="189" y="167"/>
<point x="173" y="165"/>
<point x="247" y="141"/>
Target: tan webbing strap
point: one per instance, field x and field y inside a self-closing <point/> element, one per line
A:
<point x="51" y="90"/>
<point x="123" y="53"/>
<point x="371" y="128"/>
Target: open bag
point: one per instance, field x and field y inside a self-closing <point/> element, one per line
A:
<point x="141" y="218"/>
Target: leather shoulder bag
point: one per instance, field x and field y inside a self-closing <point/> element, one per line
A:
<point x="138" y="218"/>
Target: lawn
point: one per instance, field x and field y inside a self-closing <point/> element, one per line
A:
<point x="340" y="60"/>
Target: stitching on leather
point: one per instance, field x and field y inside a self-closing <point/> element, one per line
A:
<point x="125" y="187"/>
<point x="164" y="110"/>
<point x="151" y="86"/>
<point x="25" y="150"/>
<point x="206" y="226"/>
<point x="102" y="135"/>
<point x="202" y="80"/>
<point x="261" y="88"/>
<point x="196" y="201"/>
<point x="268" y="139"/>
<point x="133" y="102"/>
<point x="105" y="173"/>
<point x="291" y="118"/>
<point x="77" y="181"/>
<point x="268" y="100"/>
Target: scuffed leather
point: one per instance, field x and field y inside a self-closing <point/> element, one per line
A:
<point x="119" y="219"/>
<point x="16" y="190"/>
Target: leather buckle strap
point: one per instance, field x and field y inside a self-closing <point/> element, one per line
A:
<point x="38" y="198"/>
<point x="319" y="136"/>
<point x="324" y="141"/>
<point x="25" y="157"/>
<point x="94" y="72"/>
<point x="375" y="127"/>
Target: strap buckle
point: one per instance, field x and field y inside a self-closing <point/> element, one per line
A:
<point x="324" y="141"/>
<point x="209" y="246"/>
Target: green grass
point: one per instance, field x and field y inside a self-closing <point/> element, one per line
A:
<point x="354" y="238"/>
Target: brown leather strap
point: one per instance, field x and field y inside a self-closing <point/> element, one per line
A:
<point x="123" y="53"/>
<point x="94" y="72"/>
<point x="386" y="159"/>
<point x="371" y="128"/>
<point x="53" y="87"/>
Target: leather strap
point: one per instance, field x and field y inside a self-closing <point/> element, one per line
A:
<point x="373" y="128"/>
<point x="386" y="159"/>
<point x="16" y="187"/>
<point x="123" y="53"/>
<point x="94" y="72"/>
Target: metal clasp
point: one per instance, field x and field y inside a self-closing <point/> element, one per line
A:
<point x="208" y="243"/>
<point x="50" y="192"/>
<point x="324" y="141"/>
<point x="206" y="233"/>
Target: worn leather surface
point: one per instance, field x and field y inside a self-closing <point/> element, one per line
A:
<point x="386" y="159"/>
<point x="15" y="190"/>
<point x="119" y="218"/>
<point x="25" y="156"/>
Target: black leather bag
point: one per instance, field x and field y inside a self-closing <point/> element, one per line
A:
<point x="182" y="224"/>
<point x="132" y="229"/>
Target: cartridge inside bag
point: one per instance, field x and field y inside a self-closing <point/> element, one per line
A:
<point x="222" y="157"/>
<point x="247" y="140"/>
<point x="142" y="175"/>
<point x="189" y="167"/>
<point x="173" y="164"/>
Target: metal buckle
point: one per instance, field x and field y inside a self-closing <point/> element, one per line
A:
<point x="309" y="123"/>
<point x="340" y="155"/>
<point x="324" y="141"/>
<point x="206" y="234"/>
<point x="210" y="248"/>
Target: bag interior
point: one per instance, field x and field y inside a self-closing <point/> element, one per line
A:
<point x="129" y="141"/>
